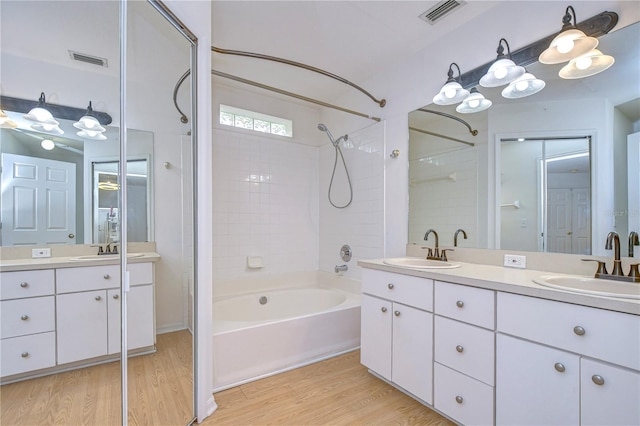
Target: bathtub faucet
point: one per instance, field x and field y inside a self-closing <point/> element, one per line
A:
<point x="341" y="268"/>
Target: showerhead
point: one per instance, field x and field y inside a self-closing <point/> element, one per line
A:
<point x="322" y="127"/>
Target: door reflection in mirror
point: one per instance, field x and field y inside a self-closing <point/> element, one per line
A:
<point x="551" y="181"/>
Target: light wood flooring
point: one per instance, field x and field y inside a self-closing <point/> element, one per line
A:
<point x="160" y="391"/>
<point x="338" y="391"/>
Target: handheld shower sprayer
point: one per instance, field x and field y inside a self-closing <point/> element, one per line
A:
<point x="336" y="146"/>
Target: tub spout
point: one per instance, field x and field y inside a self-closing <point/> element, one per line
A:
<point x="341" y="268"/>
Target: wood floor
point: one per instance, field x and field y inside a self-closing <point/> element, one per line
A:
<point x="160" y="391"/>
<point x="338" y="391"/>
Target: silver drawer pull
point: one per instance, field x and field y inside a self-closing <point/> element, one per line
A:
<point x="459" y="348"/>
<point x="383" y="309"/>
<point x="116" y="296"/>
<point x="459" y="303"/>
<point x="559" y="367"/>
<point x="24" y="354"/>
<point x="597" y="379"/>
<point x="24" y="317"/>
<point x="98" y="298"/>
<point x="578" y="330"/>
<point x="24" y="284"/>
<point x="390" y="286"/>
<point x="459" y="399"/>
<point x="106" y="276"/>
<point x="396" y="313"/>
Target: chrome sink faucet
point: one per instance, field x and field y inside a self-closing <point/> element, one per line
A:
<point x="613" y="242"/>
<point x="613" y="237"/>
<point x="633" y="241"/>
<point x="433" y="254"/>
<point x="455" y="236"/>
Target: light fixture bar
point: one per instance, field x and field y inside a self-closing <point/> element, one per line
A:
<point x="595" y="26"/>
<point x="8" y="103"/>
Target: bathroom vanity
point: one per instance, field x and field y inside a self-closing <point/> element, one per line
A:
<point x="486" y="345"/>
<point x="64" y="312"/>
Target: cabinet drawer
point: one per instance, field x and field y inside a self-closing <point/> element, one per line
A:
<point x="140" y="273"/>
<point x="405" y="289"/>
<point x="464" y="399"/>
<point x="610" y="336"/>
<point x="27" y="353"/>
<point x="14" y="285"/>
<point x="69" y="280"/>
<point x="27" y="316"/>
<point x="464" y="303"/>
<point x="465" y="348"/>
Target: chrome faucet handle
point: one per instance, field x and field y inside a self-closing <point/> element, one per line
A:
<point x="429" y="252"/>
<point x="443" y="254"/>
<point x="602" y="267"/>
<point x="634" y="272"/>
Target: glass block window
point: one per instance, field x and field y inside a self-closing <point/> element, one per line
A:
<point x="251" y="120"/>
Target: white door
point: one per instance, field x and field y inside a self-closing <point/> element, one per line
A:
<point x="559" y="220"/>
<point x="139" y="318"/>
<point x="38" y="201"/>
<point x="81" y="325"/>
<point x="375" y="335"/>
<point x="581" y="221"/>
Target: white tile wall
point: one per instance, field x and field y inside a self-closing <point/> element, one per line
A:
<point x="265" y="204"/>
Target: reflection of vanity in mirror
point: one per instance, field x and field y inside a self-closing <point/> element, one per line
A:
<point x="560" y="159"/>
<point x="76" y="213"/>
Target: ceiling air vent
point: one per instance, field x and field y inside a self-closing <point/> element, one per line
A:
<point x="441" y="10"/>
<point x="82" y="57"/>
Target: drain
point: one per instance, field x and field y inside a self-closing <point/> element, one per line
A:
<point x="263" y="300"/>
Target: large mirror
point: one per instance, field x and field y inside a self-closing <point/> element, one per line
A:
<point x="503" y="186"/>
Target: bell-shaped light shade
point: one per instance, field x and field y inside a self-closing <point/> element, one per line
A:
<point x="451" y="93"/>
<point x="53" y="129"/>
<point x="6" y="122"/>
<point x="526" y="85"/>
<point x="41" y="115"/>
<point x="587" y="65"/>
<point x="89" y="123"/>
<point x="47" y="144"/>
<point x="566" y="46"/>
<point x="475" y="102"/>
<point x="93" y="135"/>
<point x="501" y="72"/>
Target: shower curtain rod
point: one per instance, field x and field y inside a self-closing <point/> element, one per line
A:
<point x="453" y="117"/>
<point x="441" y="136"/>
<point x="381" y="103"/>
<point x="184" y="119"/>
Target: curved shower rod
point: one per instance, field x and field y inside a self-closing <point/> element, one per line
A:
<point x="474" y="132"/>
<point x="381" y="103"/>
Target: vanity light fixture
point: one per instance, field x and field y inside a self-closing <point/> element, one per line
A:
<point x="524" y="86"/>
<point x="88" y="122"/>
<point x="589" y="64"/>
<point x="452" y="92"/>
<point x="570" y="43"/>
<point x="503" y="70"/>
<point x="43" y="119"/>
<point x="475" y="102"/>
<point x="47" y="144"/>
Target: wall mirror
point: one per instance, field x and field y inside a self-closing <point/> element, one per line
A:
<point x="78" y="215"/>
<point x="458" y="180"/>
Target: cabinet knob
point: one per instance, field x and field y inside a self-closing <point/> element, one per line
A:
<point x="106" y="276"/>
<point x="24" y="317"/>
<point x="396" y="313"/>
<point x="597" y="379"/>
<point x="459" y="348"/>
<point x="117" y="296"/>
<point x="459" y="303"/>
<point x="383" y="309"/>
<point x="24" y="284"/>
<point x="559" y="367"/>
<point x="459" y="399"/>
<point x="390" y="286"/>
<point x="24" y="354"/>
<point x="98" y="297"/>
<point x="578" y="330"/>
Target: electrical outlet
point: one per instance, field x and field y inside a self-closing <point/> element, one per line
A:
<point x="41" y="252"/>
<point x="515" y="261"/>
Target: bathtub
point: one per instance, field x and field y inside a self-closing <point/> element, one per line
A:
<point x="270" y="331"/>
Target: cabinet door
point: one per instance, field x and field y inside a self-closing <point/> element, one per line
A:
<point x="375" y="340"/>
<point x="140" y="326"/>
<point x="412" y="360"/>
<point x="610" y="395"/>
<point x="535" y="384"/>
<point x="82" y="325"/>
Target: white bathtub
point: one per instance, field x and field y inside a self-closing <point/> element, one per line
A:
<point x="294" y="327"/>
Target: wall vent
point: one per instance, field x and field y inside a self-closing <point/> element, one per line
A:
<point x="440" y="10"/>
<point x="89" y="59"/>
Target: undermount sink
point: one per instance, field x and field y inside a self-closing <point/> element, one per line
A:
<point x="104" y="256"/>
<point x="419" y="263"/>
<point x="588" y="285"/>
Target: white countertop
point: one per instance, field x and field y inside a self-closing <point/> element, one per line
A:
<point x="7" y="265"/>
<point x="510" y="280"/>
